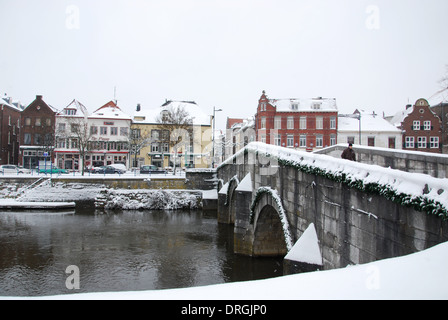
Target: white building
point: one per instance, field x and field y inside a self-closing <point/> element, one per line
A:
<point x="368" y="129"/>
<point x="67" y="155"/>
<point x="109" y="130"/>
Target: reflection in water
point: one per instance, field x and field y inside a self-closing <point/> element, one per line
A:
<point x="126" y="251"/>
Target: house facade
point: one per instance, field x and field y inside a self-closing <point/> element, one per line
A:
<point x="239" y="132"/>
<point x="306" y="124"/>
<point x="109" y="129"/>
<point x="70" y="123"/>
<point x="441" y="110"/>
<point x="154" y="142"/>
<point x="10" y="116"/>
<point x="37" y="134"/>
<point x="421" y="128"/>
<point x="368" y="129"/>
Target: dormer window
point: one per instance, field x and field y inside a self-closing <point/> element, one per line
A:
<point x="295" y="106"/>
<point x="315" y="105"/>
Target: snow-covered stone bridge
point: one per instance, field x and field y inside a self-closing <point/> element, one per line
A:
<point x="360" y="212"/>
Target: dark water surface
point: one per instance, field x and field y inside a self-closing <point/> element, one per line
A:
<point x="125" y="251"/>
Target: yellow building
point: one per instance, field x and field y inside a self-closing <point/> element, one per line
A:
<point x="169" y="145"/>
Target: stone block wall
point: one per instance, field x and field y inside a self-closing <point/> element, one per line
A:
<point x="352" y="226"/>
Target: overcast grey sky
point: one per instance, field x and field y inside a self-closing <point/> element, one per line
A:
<point x="374" y="54"/>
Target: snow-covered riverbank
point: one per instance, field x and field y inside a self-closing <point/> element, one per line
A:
<point x="418" y="276"/>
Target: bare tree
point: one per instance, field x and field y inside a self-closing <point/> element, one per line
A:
<point x="80" y="135"/>
<point x="137" y="141"/>
<point x="443" y="82"/>
<point x="180" y="125"/>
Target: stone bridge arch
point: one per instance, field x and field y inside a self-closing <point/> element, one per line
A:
<point x="271" y="234"/>
<point x="226" y="213"/>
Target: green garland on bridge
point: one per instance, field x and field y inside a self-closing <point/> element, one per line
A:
<point x="419" y="203"/>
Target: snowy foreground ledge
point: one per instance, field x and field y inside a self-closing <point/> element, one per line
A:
<point x="419" y="276"/>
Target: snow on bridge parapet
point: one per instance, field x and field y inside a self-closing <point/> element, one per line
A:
<point x="421" y="191"/>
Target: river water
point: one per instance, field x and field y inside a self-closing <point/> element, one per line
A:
<point x="120" y="251"/>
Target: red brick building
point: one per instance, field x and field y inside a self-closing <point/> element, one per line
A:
<point x="37" y="134"/>
<point x="9" y="132"/>
<point x="297" y="123"/>
<point x="421" y="128"/>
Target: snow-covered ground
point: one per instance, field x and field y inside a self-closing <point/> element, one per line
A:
<point x="418" y="276"/>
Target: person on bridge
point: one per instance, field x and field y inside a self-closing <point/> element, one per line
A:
<point x="349" y="153"/>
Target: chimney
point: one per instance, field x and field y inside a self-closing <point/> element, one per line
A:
<point x="38" y="97"/>
<point x="138" y="107"/>
<point x="408" y="106"/>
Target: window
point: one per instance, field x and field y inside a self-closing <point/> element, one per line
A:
<point x="333" y="123"/>
<point x="290" y="123"/>
<point x="155" y="134"/>
<point x="426" y="125"/>
<point x="155" y="147"/>
<point x="295" y="106"/>
<point x="302" y="122"/>
<point x="93" y="130"/>
<point x="263" y="138"/>
<point x="421" y="142"/>
<point x="332" y="139"/>
<point x="48" y="122"/>
<point x="37" y="122"/>
<point x="74" y="128"/>
<point x="302" y="141"/>
<point x="319" y="122"/>
<point x="416" y="125"/>
<point x="113" y="131"/>
<point x="263" y="106"/>
<point x="61" y="128"/>
<point x="277" y="122"/>
<point x="315" y="105"/>
<point x="263" y="122"/>
<point x="61" y="143"/>
<point x="434" y="142"/>
<point x="351" y="140"/>
<point x="371" y="141"/>
<point x="166" y="148"/>
<point x="27" y="138"/>
<point x="37" y="139"/>
<point x="27" y="121"/>
<point x="278" y="140"/>
<point x="319" y="141"/>
<point x="290" y="141"/>
<point x="103" y="131"/>
<point x="409" y="142"/>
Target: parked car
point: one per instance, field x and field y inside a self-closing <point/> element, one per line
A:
<point x="11" y="168"/>
<point x="108" y="170"/>
<point x="149" y="169"/>
<point x="119" y="168"/>
<point x="52" y="170"/>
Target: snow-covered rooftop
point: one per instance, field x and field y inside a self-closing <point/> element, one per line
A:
<point x="369" y="122"/>
<point x="74" y="109"/>
<point x="314" y="104"/>
<point x="197" y="113"/>
<point x="110" y="111"/>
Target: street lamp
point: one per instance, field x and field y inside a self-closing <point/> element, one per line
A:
<point x="213" y="136"/>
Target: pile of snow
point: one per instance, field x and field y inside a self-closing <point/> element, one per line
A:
<point x="306" y="249"/>
<point x="417" y="276"/>
<point x="148" y="199"/>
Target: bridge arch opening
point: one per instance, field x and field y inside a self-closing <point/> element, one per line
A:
<point x="269" y="238"/>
